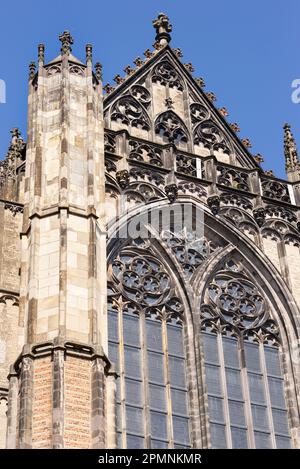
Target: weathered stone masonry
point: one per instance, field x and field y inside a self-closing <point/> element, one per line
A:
<point x="95" y="156"/>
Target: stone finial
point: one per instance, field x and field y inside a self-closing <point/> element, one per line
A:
<point x="246" y="142"/>
<point x="163" y="28"/>
<point x="15" y="134"/>
<point x="269" y="172"/>
<point x="32" y="68"/>
<point x="129" y="70"/>
<point x="41" y="53"/>
<point x="235" y="127"/>
<point x="189" y="67"/>
<point x="200" y="82"/>
<point x="89" y="53"/>
<point x="138" y="62"/>
<point x="148" y="53"/>
<point x="211" y="96"/>
<point x="118" y="79"/>
<point x="290" y="150"/>
<point x="98" y="71"/>
<point x="66" y="41"/>
<point x="177" y="52"/>
<point x="223" y="111"/>
<point x="258" y="158"/>
<point x="108" y="88"/>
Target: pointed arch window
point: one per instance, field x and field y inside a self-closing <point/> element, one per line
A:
<point x="243" y="372"/>
<point x="146" y="343"/>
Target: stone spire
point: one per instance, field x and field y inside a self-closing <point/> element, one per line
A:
<point x="292" y="164"/>
<point x="163" y="28"/>
<point x="66" y="41"/>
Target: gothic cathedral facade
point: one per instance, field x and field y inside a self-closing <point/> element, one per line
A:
<point x="183" y="333"/>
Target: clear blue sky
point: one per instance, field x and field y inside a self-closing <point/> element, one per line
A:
<point x="247" y="51"/>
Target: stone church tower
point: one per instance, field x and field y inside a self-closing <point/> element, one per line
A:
<point x="185" y="335"/>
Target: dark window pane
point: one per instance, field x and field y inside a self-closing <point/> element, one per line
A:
<point x="233" y="381"/>
<point x="132" y="362"/>
<point x="276" y="392"/>
<point x="179" y="402"/>
<point x="230" y="348"/>
<point x="260" y="417"/>
<point x="177" y="372"/>
<point x="181" y="430"/>
<point x="113" y="328"/>
<point x="236" y="412"/>
<point x="272" y="361"/>
<point x="283" y="442"/>
<point x="135" y="442"/>
<point x="119" y="440"/>
<point x="175" y="342"/>
<point x="157" y="397"/>
<point x="210" y="348"/>
<point x="216" y="411"/>
<point x="252" y="356"/>
<point x="262" y="440"/>
<point x="156" y="444"/>
<point x="153" y="331"/>
<point x="256" y="385"/>
<point x="134" y="420"/>
<point x="133" y="391"/>
<point x="155" y="367"/>
<point x="158" y="425"/>
<point x="218" y="435"/>
<point x="239" y="438"/>
<point x="131" y="331"/>
<point x="213" y="380"/>
<point x="280" y="421"/>
<point x="113" y="354"/>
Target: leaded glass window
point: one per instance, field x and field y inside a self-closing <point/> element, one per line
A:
<point x="145" y="325"/>
<point x="243" y="373"/>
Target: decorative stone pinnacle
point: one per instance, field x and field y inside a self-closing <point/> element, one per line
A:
<point x="148" y="53"/>
<point x="118" y="79"/>
<point x="246" y="142"/>
<point x="89" y="53"/>
<point x="189" y="67"/>
<point x="15" y="134"/>
<point x="211" y="96"/>
<point x="108" y="88"/>
<point x="163" y="28"/>
<point x="200" y="82"/>
<point x="270" y="172"/>
<point x="98" y="70"/>
<point x="66" y="41"/>
<point x="128" y="70"/>
<point x="41" y="53"/>
<point x="290" y="149"/>
<point x="138" y="62"/>
<point x="258" y="158"/>
<point x="235" y="127"/>
<point x="32" y="68"/>
<point x="177" y="52"/>
<point x="223" y="111"/>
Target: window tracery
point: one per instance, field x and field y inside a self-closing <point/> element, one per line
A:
<point x="168" y="125"/>
<point x="145" y="153"/>
<point x="244" y="379"/>
<point x="129" y="111"/>
<point x="145" y="317"/>
<point x="275" y="190"/>
<point x="165" y="74"/>
<point x="232" y="178"/>
<point x="211" y="136"/>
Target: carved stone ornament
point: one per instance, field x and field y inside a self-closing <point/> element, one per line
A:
<point x="163" y="29"/>
<point x="171" y="192"/>
<point x="141" y="280"/>
<point x="166" y="74"/>
<point x="66" y="41"/>
<point x="130" y="112"/>
<point x="259" y="216"/>
<point x="214" y="204"/>
<point x="123" y="178"/>
<point x="168" y="125"/>
<point x="212" y="137"/>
